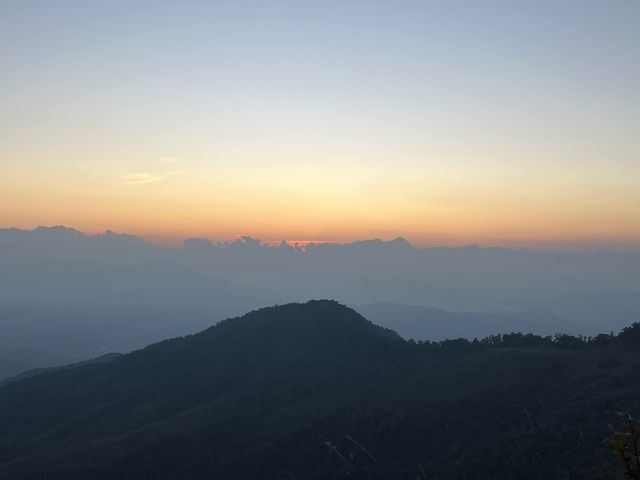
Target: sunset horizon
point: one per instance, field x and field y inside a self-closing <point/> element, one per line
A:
<point x="490" y="125"/>
<point x="319" y="239"/>
<point x="435" y="240"/>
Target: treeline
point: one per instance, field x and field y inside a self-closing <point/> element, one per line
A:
<point x="506" y="340"/>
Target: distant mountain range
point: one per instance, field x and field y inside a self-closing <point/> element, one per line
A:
<point x="584" y="314"/>
<point x="316" y="391"/>
<point x="468" y="278"/>
<point x="593" y="311"/>
<point x="67" y="296"/>
<point x="424" y="323"/>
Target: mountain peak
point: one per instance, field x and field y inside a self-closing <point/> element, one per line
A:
<point x="401" y="242"/>
<point x="59" y="231"/>
<point x="305" y="325"/>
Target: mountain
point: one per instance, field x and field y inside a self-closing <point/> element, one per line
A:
<point x="472" y="278"/>
<point x="72" y="296"/>
<point x="80" y="312"/>
<point x="425" y="323"/>
<point x="316" y="391"/>
<point x="594" y="311"/>
<point x="15" y="360"/>
<point x="64" y="246"/>
<point x="32" y="372"/>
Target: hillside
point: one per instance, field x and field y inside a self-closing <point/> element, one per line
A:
<point x="315" y="391"/>
<point x="14" y="360"/>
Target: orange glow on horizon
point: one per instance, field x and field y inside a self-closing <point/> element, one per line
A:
<point x="426" y="211"/>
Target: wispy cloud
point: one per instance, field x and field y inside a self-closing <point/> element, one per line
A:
<point x="170" y="159"/>
<point x="144" y="178"/>
<point x="141" y="178"/>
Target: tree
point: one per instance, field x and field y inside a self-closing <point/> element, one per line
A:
<point x="625" y="442"/>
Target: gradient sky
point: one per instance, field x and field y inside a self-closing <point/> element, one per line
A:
<point x="496" y="122"/>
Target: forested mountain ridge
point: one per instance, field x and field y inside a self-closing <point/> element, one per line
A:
<point x="315" y="391"/>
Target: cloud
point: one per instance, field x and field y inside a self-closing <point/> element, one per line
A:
<point x="144" y="178"/>
<point x="141" y="178"/>
<point x="170" y="159"/>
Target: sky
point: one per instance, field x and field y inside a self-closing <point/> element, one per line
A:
<point x="491" y="122"/>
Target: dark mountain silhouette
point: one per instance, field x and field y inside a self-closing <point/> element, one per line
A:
<point x="315" y="391"/>
<point x="14" y="359"/>
<point x="32" y="372"/>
